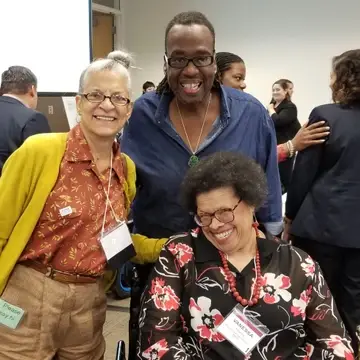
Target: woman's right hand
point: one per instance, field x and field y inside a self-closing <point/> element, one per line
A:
<point x="310" y="135"/>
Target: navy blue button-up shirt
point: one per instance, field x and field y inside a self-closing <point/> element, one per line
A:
<point x="161" y="158"/>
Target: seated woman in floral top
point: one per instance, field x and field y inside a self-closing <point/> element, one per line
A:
<point x="203" y="275"/>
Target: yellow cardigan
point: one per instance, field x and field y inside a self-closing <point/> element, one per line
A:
<point x="27" y="179"/>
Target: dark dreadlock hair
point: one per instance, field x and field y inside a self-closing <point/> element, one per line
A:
<point x="185" y="18"/>
<point x="224" y="60"/>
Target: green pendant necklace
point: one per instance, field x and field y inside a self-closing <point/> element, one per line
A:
<point x="194" y="159"/>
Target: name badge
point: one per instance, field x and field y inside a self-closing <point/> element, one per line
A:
<point x="10" y="315"/>
<point x="118" y="246"/>
<point x="242" y="331"/>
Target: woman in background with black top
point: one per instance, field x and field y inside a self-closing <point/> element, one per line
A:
<point x="284" y="115"/>
<point x="323" y="202"/>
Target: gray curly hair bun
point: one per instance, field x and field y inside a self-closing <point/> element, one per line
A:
<point x="121" y="57"/>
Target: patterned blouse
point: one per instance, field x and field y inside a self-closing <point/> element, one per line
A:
<point x="188" y="297"/>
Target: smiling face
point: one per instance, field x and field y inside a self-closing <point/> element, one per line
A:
<point x="104" y="119"/>
<point x="278" y="93"/>
<point x="191" y="84"/>
<point x="235" y="76"/>
<point x="232" y="236"/>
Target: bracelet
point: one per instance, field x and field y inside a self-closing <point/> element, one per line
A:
<point x="291" y="148"/>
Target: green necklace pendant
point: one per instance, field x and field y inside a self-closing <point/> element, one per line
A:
<point x="193" y="160"/>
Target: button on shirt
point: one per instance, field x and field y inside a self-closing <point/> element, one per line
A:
<point x="161" y="158"/>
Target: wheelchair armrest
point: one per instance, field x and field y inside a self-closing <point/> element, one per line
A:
<point x="120" y="351"/>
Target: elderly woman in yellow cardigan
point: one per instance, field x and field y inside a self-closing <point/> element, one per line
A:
<point x="64" y="199"/>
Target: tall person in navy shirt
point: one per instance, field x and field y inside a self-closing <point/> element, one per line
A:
<point x="188" y="117"/>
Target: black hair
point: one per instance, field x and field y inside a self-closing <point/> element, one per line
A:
<point x="346" y="67"/>
<point x="17" y="80"/>
<point x="225" y="169"/>
<point x="224" y="60"/>
<point x="146" y="85"/>
<point x="185" y="18"/>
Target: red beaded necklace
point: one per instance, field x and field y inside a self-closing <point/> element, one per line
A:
<point x="232" y="281"/>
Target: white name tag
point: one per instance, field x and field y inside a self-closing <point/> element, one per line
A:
<point x="66" y="211"/>
<point x="116" y="240"/>
<point x="241" y="331"/>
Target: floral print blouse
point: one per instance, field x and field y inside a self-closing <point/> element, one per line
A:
<point x="188" y="296"/>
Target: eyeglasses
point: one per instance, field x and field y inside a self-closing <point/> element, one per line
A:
<point x="223" y="215"/>
<point x="181" y="62"/>
<point x="97" y="98"/>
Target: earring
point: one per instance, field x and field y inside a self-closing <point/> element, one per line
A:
<point x="255" y="225"/>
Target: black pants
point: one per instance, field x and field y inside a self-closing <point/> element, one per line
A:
<point x="341" y="269"/>
<point x="285" y="170"/>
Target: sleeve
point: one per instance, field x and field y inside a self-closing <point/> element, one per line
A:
<point x="161" y="323"/>
<point x="285" y="116"/>
<point x="147" y="249"/>
<point x="282" y="152"/>
<point x="14" y="188"/>
<point x="324" y="328"/>
<point x="270" y="215"/>
<point x="36" y="125"/>
<point x="306" y="168"/>
<point x="132" y="137"/>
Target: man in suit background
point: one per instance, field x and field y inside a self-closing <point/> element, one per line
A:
<point x="18" y="117"/>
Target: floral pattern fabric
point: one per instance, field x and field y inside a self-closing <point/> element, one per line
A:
<point x="69" y="241"/>
<point x="188" y="297"/>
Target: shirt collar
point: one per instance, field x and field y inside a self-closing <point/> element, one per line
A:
<point x="205" y="251"/>
<point x="162" y="111"/>
<point x="16" y="98"/>
<point x="78" y="150"/>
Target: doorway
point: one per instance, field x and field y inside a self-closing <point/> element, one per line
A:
<point x="103" y="35"/>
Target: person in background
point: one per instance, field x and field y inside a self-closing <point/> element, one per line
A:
<point x="322" y="207"/>
<point x="69" y="196"/>
<point x="18" y="117"/>
<point x="283" y="112"/>
<point x="202" y="275"/>
<point x="148" y="86"/>
<point x="231" y="72"/>
<point x="190" y="116"/>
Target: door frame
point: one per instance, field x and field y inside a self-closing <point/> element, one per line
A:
<point x="118" y="40"/>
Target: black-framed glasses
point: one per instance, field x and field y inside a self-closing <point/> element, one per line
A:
<point x="181" y="62"/>
<point x="223" y="215"/>
<point x="98" y="97"/>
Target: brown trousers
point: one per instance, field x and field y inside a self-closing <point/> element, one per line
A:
<point x="61" y="321"/>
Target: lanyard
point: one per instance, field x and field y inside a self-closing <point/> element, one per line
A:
<point x="108" y="202"/>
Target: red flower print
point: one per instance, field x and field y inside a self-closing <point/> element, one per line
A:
<point x="204" y="321"/>
<point x="156" y="351"/>
<point x="340" y="346"/>
<point x="185" y="328"/>
<point x="163" y="295"/>
<point x="275" y="287"/>
<point x="298" y="307"/>
<point x="309" y="351"/>
<point x="182" y="252"/>
<point x="309" y="267"/>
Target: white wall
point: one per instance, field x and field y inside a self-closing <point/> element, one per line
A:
<point x="278" y="38"/>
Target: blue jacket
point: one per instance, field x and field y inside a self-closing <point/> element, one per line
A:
<point x="161" y="158"/>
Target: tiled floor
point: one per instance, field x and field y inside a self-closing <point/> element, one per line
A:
<point x="116" y="325"/>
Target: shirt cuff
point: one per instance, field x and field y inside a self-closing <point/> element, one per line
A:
<point x="274" y="228"/>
